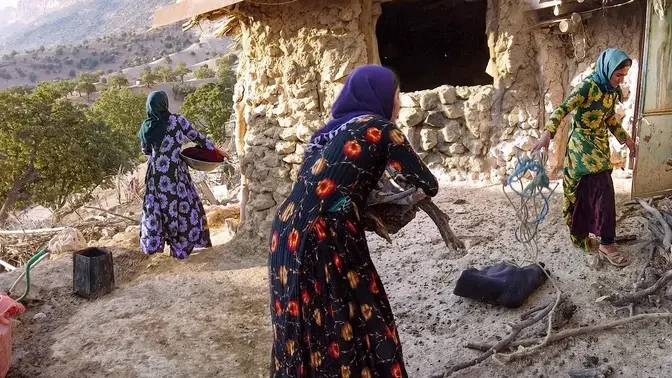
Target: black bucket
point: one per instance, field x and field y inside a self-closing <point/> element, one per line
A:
<point x="93" y="272"/>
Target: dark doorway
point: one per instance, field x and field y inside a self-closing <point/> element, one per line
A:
<point x="430" y="43"/>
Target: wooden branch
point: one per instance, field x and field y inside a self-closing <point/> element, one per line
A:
<point x="531" y="312"/>
<point x="393" y="206"/>
<point x="16" y="193"/>
<point x="667" y="241"/>
<point x="379" y="226"/>
<point x="619" y="299"/>
<point x="111" y="213"/>
<point x="441" y="219"/>
<point x="636" y="201"/>
<point x="9" y="267"/>
<point x="504" y="343"/>
<point x="577" y="331"/>
<point x="31" y="232"/>
<point x="380" y="197"/>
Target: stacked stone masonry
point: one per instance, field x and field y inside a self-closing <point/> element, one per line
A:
<point x="296" y="57"/>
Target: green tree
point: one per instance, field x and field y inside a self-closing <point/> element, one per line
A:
<point x="181" y="91"/>
<point x="68" y="86"/>
<point x="165" y="73"/>
<point x="204" y="72"/>
<point x="87" y="88"/>
<point x="148" y="77"/>
<point x="123" y="110"/>
<point x="210" y="106"/>
<point x="181" y="71"/>
<point x="225" y="74"/>
<point x="118" y="81"/>
<point x="87" y="78"/>
<point x="51" y="150"/>
<point x="58" y="88"/>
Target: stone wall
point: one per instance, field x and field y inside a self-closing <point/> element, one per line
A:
<point x="449" y="127"/>
<point x="296" y="57"/>
<point x="295" y="60"/>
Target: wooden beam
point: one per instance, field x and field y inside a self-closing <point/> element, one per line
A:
<point x="538" y="4"/>
<point x="31" y="232"/>
<point x="185" y="9"/>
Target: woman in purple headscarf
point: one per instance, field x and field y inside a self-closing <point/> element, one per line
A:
<point x="330" y="313"/>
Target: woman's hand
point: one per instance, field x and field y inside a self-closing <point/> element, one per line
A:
<point x="223" y="153"/>
<point x="632" y="146"/>
<point x="544" y="141"/>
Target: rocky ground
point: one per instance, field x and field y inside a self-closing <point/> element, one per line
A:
<point x="208" y="316"/>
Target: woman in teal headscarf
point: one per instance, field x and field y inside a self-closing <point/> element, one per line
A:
<point x="153" y="129"/>
<point x="172" y="211"/>
<point x="589" y="203"/>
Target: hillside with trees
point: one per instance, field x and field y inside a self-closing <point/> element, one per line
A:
<point x="125" y="51"/>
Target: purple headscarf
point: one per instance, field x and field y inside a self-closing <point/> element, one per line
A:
<point x="369" y="90"/>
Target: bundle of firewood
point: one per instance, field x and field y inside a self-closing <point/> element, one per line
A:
<point x="658" y="212"/>
<point x="395" y="203"/>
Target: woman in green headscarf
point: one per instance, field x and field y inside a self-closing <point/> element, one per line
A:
<point x="172" y="211"/>
<point x="589" y="205"/>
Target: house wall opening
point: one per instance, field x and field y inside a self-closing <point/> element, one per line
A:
<point x="430" y="43"/>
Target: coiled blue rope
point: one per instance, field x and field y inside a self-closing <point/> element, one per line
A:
<point x="531" y="184"/>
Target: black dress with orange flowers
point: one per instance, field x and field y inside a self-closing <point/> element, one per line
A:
<point x="330" y="313"/>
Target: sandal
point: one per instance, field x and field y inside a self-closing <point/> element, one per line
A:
<point x="593" y="245"/>
<point x="616" y="258"/>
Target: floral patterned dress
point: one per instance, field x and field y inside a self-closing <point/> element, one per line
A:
<point x="172" y="211"/>
<point x="588" y="151"/>
<point x="330" y="313"/>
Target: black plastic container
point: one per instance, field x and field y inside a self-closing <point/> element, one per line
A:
<point x="93" y="272"/>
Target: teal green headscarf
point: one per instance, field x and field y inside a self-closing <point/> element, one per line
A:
<point x="607" y="64"/>
<point x="153" y="129"/>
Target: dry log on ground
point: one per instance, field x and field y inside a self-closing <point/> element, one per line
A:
<point x="576" y="331"/>
<point x="658" y="213"/>
<point x="620" y="299"/>
<point x="667" y="238"/>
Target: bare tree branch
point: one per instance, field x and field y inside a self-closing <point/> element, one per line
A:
<point x="577" y="331"/>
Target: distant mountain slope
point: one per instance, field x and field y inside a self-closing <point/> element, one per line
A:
<point x="52" y="22"/>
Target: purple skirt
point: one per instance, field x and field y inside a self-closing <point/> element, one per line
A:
<point x="595" y="208"/>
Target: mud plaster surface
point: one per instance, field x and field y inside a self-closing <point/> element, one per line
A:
<point x="208" y="316"/>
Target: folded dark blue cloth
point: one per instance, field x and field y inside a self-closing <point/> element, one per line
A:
<point x="502" y="284"/>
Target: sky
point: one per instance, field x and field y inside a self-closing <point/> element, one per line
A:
<point x="8" y="3"/>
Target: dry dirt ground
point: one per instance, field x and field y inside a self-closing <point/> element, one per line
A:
<point x="208" y="316"/>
